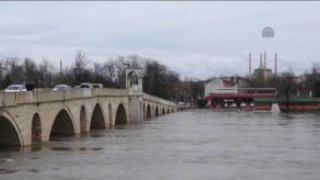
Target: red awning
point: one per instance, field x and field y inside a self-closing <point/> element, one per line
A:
<point x="241" y="95"/>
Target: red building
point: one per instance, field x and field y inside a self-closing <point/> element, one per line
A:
<point x="242" y="98"/>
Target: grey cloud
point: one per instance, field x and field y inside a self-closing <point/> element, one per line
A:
<point x="194" y="38"/>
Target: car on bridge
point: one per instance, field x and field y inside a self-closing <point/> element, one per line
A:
<point x="86" y="85"/>
<point x="16" y="88"/>
<point x="97" y="85"/>
<point x="62" y="87"/>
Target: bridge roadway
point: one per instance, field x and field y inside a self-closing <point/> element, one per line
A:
<point x="32" y="117"/>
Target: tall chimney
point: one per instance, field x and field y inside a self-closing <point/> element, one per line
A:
<point x="265" y="60"/>
<point x="275" y="64"/>
<point x="250" y="64"/>
<point x="261" y="61"/>
<point x="60" y="67"/>
<point x="265" y="65"/>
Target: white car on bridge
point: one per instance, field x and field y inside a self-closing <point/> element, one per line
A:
<point x="86" y="85"/>
<point x="62" y="87"/>
<point x="16" y="88"/>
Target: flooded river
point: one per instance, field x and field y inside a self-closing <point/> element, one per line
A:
<point x="199" y="144"/>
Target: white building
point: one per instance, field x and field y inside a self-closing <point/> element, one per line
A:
<point x="223" y="85"/>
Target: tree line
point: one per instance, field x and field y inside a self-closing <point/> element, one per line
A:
<point x="288" y="82"/>
<point x="158" y="79"/>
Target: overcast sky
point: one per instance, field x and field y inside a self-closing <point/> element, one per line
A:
<point x="195" y="39"/>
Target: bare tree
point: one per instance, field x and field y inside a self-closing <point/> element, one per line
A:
<point x="315" y="69"/>
<point x="110" y="70"/>
<point x="81" y="62"/>
<point x="30" y="71"/>
<point x="45" y="73"/>
<point x="14" y="70"/>
<point x="3" y="69"/>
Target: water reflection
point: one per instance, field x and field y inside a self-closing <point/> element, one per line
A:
<point x="74" y="149"/>
<point x="286" y="116"/>
<point x="61" y="149"/>
<point x="34" y="170"/>
<point x="11" y="149"/>
<point x="121" y="127"/>
<point x="36" y="147"/>
<point x="61" y="138"/>
<point x="82" y="149"/>
<point x="7" y="171"/>
<point x="12" y="171"/>
<point x="97" y="149"/>
<point x="97" y="135"/>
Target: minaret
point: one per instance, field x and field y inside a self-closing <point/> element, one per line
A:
<point x="250" y="64"/>
<point x="265" y="65"/>
<point x="275" y="64"/>
<point x="60" y="67"/>
<point x="261" y="61"/>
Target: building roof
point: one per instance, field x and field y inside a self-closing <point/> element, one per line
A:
<point x="227" y="78"/>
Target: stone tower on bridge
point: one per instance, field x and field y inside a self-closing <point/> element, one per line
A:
<point x="134" y="77"/>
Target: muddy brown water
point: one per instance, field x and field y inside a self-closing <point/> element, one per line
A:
<point x="199" y="144"/>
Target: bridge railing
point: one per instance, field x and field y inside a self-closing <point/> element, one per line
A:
<point x="149" y="97"/>
<point x="48" y="95"/>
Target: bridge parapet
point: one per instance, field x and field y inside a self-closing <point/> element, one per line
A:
<point x="155" y="99"/>
<point x="12" y="99"/>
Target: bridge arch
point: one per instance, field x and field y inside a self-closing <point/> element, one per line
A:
<point x="110" y="114"/>
<point x="36" y="131"/>
<point x="62" y="125"/>
<point x="97" y="119"/>
<point x="121" y="115"/>
<point x="148" y="111"/>
<point x="83" y="120"/>
<point x="144" y="109"/>
<point x="9" y="135"/>
<point x="157" y="111"/>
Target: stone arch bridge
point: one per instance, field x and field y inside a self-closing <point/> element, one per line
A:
<point x="36" y="116"/>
